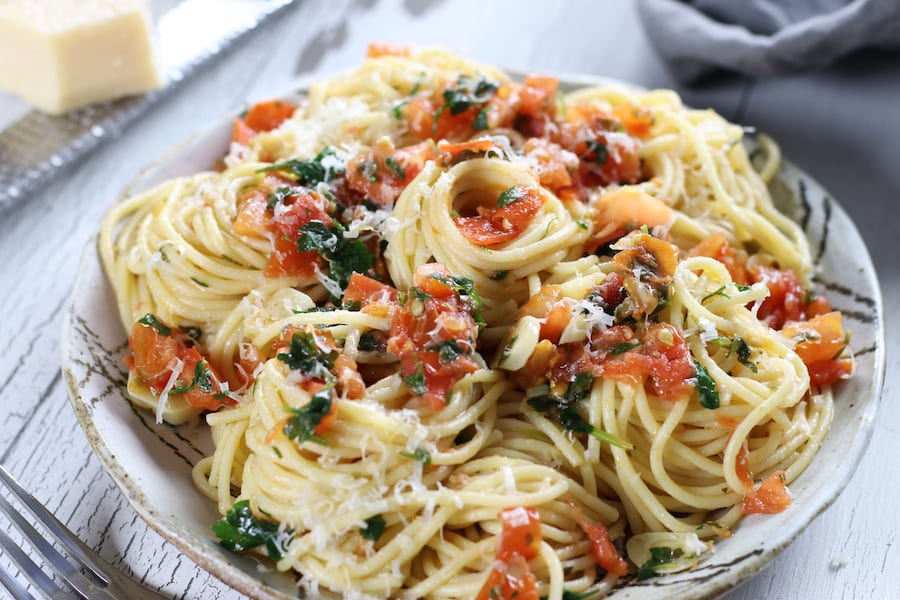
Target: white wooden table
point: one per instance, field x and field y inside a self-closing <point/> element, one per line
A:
<point x="842" y="125"/>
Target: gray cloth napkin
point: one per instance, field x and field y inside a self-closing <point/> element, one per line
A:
<point x="765" y="37"/>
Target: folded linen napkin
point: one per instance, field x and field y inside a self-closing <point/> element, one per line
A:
<point x="765" y="37"/>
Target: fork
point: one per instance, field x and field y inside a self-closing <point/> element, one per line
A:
<point x="91" y="578"/>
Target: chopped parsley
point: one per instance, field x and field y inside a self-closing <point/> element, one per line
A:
<point x="302" y="423"/>
<point x="314" y="171"/>
<point x="199" y="282"/>
<point x="374" y="528"/>
<point x="372" y="341"/>
<point x="625" y="347"/>
<point x="150" y="320"/>
<point x="448" y="350"/>
<point x="416" y="382"/>
<point x="279" y="195"/>
<point x="468" y="92"/>
<point x="465" y="287"/>
<point x="706" y="386"/>
<point x="658" y="558"/>
<point x="498" y="275"/>
<point x="597" y="152"/>
<point x="541" y="399"/>
<point x="510" y="195"/>
<point x="395" y="167"/>
<point x="305" y="356"/>
<point x="718" y="292"/>
<point x="241" y="530"/>
<point x="345" y="256"/>
<point x="420" y="455"/>
<point x="202" y="379"/>
<point x="481" y="122"/>
<point x="738" y="346"/>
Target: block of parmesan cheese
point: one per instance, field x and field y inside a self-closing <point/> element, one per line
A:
<point x="64" y="54"/>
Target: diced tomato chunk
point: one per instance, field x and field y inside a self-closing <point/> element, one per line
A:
<point x="501" y="224"/>
<point x="821" y="342"/>
<point x="605" y="553"/>
<point x="635" y="119"/>
<point x="286" y="258"/>
<point x="434" y="335"/>
<point x="787" y="298"/>
<point x="263" y="116"/>
<point x="366" y="290"/>
<point x="154" y="355"/>
<point x="717" y="247"/>
<point x="537" y="95"/>
<point x="769" y="498"/>
<point x="827" y="372"/>
<point x="511" y="580"/>
<point x="382" y="173"/>
<point x="379" y="49"/>
<point x="521" y="533"/>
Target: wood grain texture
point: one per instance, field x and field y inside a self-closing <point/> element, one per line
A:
<point x="840" y="124"/>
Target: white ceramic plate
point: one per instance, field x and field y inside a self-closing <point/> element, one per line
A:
<point x="151" y="463"/>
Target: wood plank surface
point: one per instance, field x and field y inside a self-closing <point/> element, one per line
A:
<point x="841" y="124"/>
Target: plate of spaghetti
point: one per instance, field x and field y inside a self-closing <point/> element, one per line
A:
<point x="428" y="330"/>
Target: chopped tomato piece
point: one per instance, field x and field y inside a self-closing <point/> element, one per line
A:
<point x="449" y="152"/>
<point x="635" y="119"/>
<point x="551" y="164"/>
<point x="552" y="308"/>
<point x="538" y="95"/>
<point x="820" y="338"/>
<point x="266" y="116"/>
<point x="381" y="174"/>
<point x="378" y="49"/>
<point x="348" y="376"/>
<point x="512" y="580"/>
<point x="521" y="533"/>
<point x="366" y="291"/>
<point x="497" y="225"/>
<point x="786" y="300"/>
<point x="263" y="116"/>
<point x="154" y="355"/>
<point x="826" y="372"/>
<point x="605" y="553"/>
<point x="717" y="247"/>
<point x="434" y="335"/>
<point x="607" y="155"/>
<point x="624" y="210"/>
<point x="769" y="498"/>
<point x="742" y="467"/>
<point x="520" y="541"/>
<point x="241" y="133"/>
<point x="286" y="258"/>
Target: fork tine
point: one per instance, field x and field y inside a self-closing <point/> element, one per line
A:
<point x="75" y="546"/>
<point x="28" y="568"/>
<point x="69" y="572"/>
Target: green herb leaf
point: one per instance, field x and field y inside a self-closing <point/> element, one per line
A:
<point x="420" y="454"/>
<point x="580" y="387"/>
<point x="718" y="292"/>
<point x="499" y="275"/>
<point x="395" y="167"/>
<point x="304" y="356"/>
<point x="241" y="530"/>
<point x="301" y="426"/>
<point x="416" y="383"/>
<point x="572" y="421"/>
<point x="625" y="347"/>
<point x="510" y="195"/>
<point x="468" y="92"/>
<point x="658" y="558"/>
<point x="467" y="293"/>
<point x="150" y="320"/>
<point x="374" y="528"/>
<point x="448" y="350"/>
<point x="597" y="152"/>
<point x="481" y="122"/>
<point x="372" y="341"/>
<point x="312" y="172"/>
<point x="199" y="282"/>
<point x="345" y="256"/>
<point x="278" y="196"/>
<point x="706" y="386"/>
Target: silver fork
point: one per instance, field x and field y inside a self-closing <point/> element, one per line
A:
<point x="89" y="576"/>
